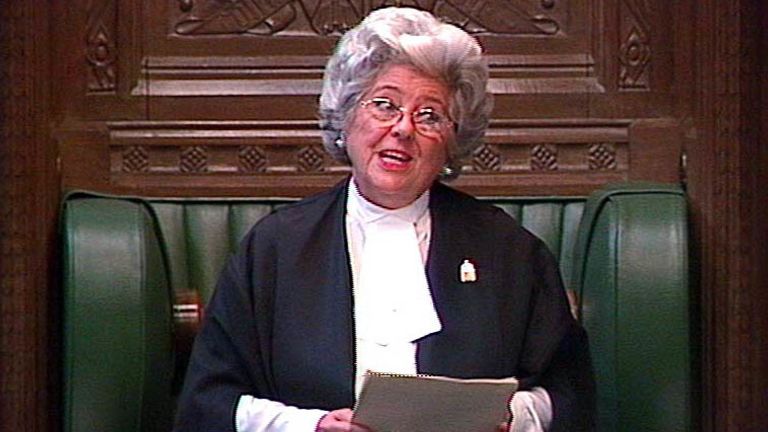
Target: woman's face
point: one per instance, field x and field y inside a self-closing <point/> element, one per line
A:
<point x="394" y="164"/>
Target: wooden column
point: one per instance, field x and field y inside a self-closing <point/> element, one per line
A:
<point x="760" y="307"/>
<point x="727" y="184"/>
<point x="28" y="208"/>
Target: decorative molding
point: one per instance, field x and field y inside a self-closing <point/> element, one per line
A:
<point x="100" y="46"/>
<point x="508" y="18"/>
<point x="602" y="156"/>
<point x="544" y="157"/>
<point x="302" y="75"/>
<point x="284" y="158"/>
<point x="216" y="148"/>
<point x="310" y="159"/>
<point x="263" y="148"/>
<point x="252" y="159"/>
<point x="486" y="158"/>
<point x="238" y="159"/>
<point x="549" y="158"/>
<point x="331" y="18"/>
<point x="635" y="50"/>
<point x="135" y="159"/>
<point x="193" y="159"/>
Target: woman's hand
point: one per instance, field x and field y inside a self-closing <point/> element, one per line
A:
<point x="339" y="421"/>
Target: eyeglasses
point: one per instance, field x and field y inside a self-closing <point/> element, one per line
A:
<point x="428" y="121"/>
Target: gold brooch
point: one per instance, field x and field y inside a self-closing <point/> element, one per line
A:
<point x="467" y="272"/>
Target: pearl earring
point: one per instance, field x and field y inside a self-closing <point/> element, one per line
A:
<point x="339" y="142"/>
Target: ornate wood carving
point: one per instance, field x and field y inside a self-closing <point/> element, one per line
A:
<point x="544" y="157"/>
<point x="101" y="49"/>
<point x="310" y="158"/>
<point x="216" y="148"/>
<point x="602" y="156"/>
<point x="169" y="154"/>
<point x="327" y="17"/>
<point x="635" y="50"/>
<point x="570" y="157"/>
<point x="287" y="68"/>
<point x="193" y="159"/>
<point x="252" y="159"/>
<point x="135" y="159"/>
<point x="513" y="17"/>
<point x="486" y="158"/>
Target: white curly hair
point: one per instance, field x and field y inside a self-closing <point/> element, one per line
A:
<point x="407" y="36"/>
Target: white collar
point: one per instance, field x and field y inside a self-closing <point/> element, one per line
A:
<point x="366" y="212"/>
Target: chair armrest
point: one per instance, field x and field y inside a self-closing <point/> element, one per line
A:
<point x="118" y="360"/>
<point x="631" y="276"/>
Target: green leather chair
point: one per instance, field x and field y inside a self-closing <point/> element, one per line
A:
<point x="127" y="261"/>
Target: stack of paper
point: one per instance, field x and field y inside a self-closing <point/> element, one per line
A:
<point x="418" y="403"/>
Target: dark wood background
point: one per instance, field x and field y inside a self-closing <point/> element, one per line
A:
<point x="204" y="97"/>
<point x="211" y="97"/>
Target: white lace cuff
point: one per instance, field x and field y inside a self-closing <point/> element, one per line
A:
<point x="263" y="415"/>
<point x="531" y="411"/>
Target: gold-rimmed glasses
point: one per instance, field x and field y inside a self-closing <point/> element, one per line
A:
<point x="428" y="121"/>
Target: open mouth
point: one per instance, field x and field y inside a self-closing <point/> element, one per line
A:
<point x="395" y="156"/>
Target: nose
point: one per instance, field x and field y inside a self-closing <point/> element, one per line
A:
<point x="404" y="128"/>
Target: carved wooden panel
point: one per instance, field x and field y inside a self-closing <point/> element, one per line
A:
<point x="634" y="51"/>
<point x="285" y="158"/>
<point x="101" y="49"/>
<point x="181" y="96"/>
<point x="326" y="17"/>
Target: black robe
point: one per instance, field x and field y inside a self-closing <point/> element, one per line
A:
<point x="280" y="323"/>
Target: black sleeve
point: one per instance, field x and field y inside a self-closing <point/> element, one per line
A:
<point x="565" y="370"/>
<point x="230" y="356"/>
<point x="570" y="383"/>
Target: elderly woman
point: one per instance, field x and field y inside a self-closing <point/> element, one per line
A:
<point x="390" y="270"/>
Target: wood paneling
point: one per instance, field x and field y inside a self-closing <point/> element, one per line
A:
<point x="760" y="271"/>
<point x="29" y="192"/>
<point x="727" y="180"/>
<point x="210" y="97"/>
<point x="285" y="158"/>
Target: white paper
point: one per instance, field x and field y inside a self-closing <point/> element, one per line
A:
<point x="400" y="403"/>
